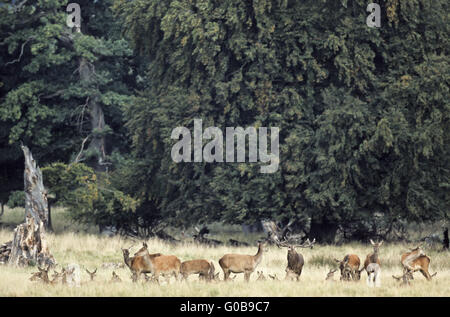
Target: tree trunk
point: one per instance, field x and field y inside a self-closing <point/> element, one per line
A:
<point x="323" y="231"/>
<point x="445" y="241"/>
<point x="87" y="74"/>
<point x="50" y="227"/>
<point x="3" y="209"/>
<point x="29" y="245"/>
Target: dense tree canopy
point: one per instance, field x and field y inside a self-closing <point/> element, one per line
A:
<point x="363" y="112"/>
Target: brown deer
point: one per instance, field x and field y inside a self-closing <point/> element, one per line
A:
<point x="373" y="257"/>
<point x="42" y="275"/>
<point x="349" y="267"/>
<point x="161" y="264"/>
<point x="239" y="263"/>
<point x="416" y="260"/>
<point x="205" y="269"/>
<point x="295" y="260"/>
<point x="138" y="264"/>
<point x="91" y="274"/>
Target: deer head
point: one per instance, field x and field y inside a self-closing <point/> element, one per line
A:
<point x="91" y="274"/>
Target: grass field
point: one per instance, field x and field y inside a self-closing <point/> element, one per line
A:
<point x="92" y="250"/>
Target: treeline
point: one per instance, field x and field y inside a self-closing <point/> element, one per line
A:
<point x="363" y="112"/>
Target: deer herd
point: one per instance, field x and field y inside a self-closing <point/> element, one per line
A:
<point x="143" y="262"/>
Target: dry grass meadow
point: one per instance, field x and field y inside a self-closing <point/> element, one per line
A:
<point x="92" y="250"/>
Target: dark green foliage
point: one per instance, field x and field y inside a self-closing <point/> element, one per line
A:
<point x="363" y="113"/>
<point x="44" y="102"/>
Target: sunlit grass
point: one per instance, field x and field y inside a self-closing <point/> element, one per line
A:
<point x="92" y="250"/>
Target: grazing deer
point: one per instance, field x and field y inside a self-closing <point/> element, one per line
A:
<point x="161" y="264"/>
<point x="374" y="275"/>
<point x="373" y="257"/>
<point x="239" y="263"/>
<point x="137" y="264"/>
<point x="349" y="267"/>
<point x="115" y="278"/>
<point x="330" y="275"/>
<point x="416" y="260"/>
<point x="261" y="276"/>
<point x="295" y="260"/>
<point x="91" y="274"/>
<point x="203" y="268"/>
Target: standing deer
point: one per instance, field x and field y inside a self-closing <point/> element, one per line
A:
<point x="373" y="257"/>
<point x="137" y="264"/>
<point x="161" y="264"/>
<point x="205" y="269"/>
<point x="416" y="260"/>
<point x="349" y="267"/>
<point x="295" y="260"/>
<point x="239" y="263"/>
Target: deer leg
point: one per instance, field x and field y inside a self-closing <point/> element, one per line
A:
<point x="226" y="275"/>
<point x="247" y="275"/>
<point x="426" y="274"/>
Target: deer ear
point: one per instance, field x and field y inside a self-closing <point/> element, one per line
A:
<point x="371" y="241"/>
<point x="338" y="261"/>
<point x="379" y="244"/>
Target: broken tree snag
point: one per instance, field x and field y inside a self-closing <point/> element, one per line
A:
<point x="36" y="204"/>
<point x="29" y="245"/>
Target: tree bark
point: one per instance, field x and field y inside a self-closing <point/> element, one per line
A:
<point x="29" y="245"/>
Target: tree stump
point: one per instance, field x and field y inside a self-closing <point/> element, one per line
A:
<point x="29" y="245"/>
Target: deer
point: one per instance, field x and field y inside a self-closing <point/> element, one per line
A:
<point x="42" y="275"/>
<point x="349" y="267"/>
<point x="205" y="269"/>
<point x="115" y="278"/>
<point x="239" y="263"/>
<point x="72" y="275"/>
<point x="295" y="260"/>
<point x="137" y="263"/>
<point x="404" y="279"/>
<point x="161" y="264"/>
<point x="261" y="276"/>
<point x="416" y="260"/>
<point x="374" y="275"/>
<point x="330" y="275"/>
<point x="91" y="274"/>
<point x="373" y="257"/>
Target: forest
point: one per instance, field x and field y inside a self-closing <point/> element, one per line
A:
<point x="363" y="112"/>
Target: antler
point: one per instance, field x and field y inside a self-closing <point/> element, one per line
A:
<point x="306" y="244"/>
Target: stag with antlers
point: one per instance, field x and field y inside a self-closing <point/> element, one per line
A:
<point x="295" y="260"/>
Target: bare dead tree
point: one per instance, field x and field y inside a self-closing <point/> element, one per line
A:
<point x="29" y="244"/>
